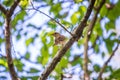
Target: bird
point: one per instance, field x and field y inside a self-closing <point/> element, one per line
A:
<point x="59" y="39"/>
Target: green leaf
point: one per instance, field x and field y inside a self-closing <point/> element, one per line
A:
<point x="78" y="1"/>
<point x="50" y="2"/>
<point x="77" y="60"/>
<point x="103" y="54"/>
<point x="56" y="8"/>
<point x="63" y="62"/>
<point x="24" y="3"/>
<point x="103" y="11"/>
<point x="18" y="36"/>
<point x="113" y="15"/>
<point x="45" y="60"/>
<point x="58" y="69"/>
<point x="19" y="16"/>
<point x="96" y="67"/>
<point x="43" y="37"/>
<point x="1" y="23"/>
<point x="8" y="2"/>
<point x="98" y="29"/>
<point x="33" y="70"/>
<point x="110" y="25"/>
<point x="52" y="24"/>
<point x="54" y="51"/>
<point x="45" y="49"/>
<point x="115" y="75"/>
<point x="39" y="59"/>
<point x="108" y="69"/>
<point x="82" y="9"/>
<point x="66" y="23"/>
<point x="81" y="41"/>
<point x="109" y="44"/>
<point x="1" y="40"/>
<point x="27" y="55"/>
<point x="96" y="3"/>
<point x="44" y="54"/>
<point x="68" y="53"/>
<point x="61" y="65"/>
<point x="19" y="65"/>
<point x="96" y="48"/>
<point x="93" y="37"/>
<point x="75" y="17"/>
<point x="29" y="41"/>
<point x="3" y="62"/>
<point x="33" y="78"/>
<point x="50" y="42"/>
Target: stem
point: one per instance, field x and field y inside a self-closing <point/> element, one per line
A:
<point x="106" y="63"/>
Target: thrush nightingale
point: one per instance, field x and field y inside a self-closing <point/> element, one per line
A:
<point x="59" y="39"/>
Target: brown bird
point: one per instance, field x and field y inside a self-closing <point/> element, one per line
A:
<point x="59" y="39"/>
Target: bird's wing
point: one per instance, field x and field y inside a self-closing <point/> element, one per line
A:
<point x="61" y="38"/>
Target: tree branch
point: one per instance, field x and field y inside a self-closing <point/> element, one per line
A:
<point x="62" y="51"/>
<point x="52" y="19"/>
<point x="106" y="63"/>
<point x="12" y="9"/>
<point x="8" y="40"/>
<point x="3" y="9"/>
<point x="8" y="49"/>
<point x="89" y="31"/>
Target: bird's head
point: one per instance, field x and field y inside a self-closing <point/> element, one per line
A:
<point x="56" y="34"/>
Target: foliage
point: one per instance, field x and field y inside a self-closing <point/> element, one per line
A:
<point x="33" y="43"/>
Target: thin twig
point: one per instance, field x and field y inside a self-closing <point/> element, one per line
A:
<point x="51" y="19"/>
<point x="106" y="63"/>
<point x="2" y="8"/>
<point x="89" y="31"/>
<point x="68" y="44"/>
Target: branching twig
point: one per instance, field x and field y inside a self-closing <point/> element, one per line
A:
<point x="3" y="9"/>
<point x="69" y="43"/>
<point x="89" y="31"/>
<point x="8" y="14"/>
<point x="12" y="8"/>
<point x="106" y="63"/>
<point x="51" y="19"/>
